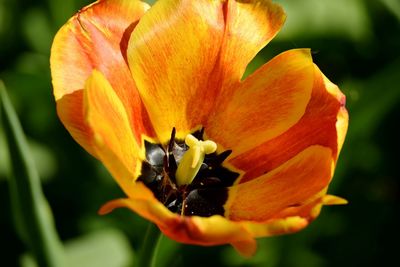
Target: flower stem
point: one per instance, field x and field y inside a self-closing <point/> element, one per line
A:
<point x="148" y="253"/>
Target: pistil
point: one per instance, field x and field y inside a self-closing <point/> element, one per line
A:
<point x="191" y="161"/>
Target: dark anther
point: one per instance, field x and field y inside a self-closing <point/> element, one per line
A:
<point x="171" y="140"/>
<point x="170" y="162"/>
<point x="222" y="157"/>
<point x="199" y="134"/>
<point x="207" y="193"/>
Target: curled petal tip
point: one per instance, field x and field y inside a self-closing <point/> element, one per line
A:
<point x="334" y="200"/>
<point x="246" y="248"/>
<point x="343" y="101"/>
<point x="106" y="208"/>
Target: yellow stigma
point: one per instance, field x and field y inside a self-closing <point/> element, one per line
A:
<point x="191" y="161"/>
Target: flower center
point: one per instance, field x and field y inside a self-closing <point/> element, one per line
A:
<point x="187" y="176"/>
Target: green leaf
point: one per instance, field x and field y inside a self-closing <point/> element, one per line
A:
<point x="393" y="6"/>
<point x="61" y="11"/>
<point x="369" y="102"/>
<point x="105" y="248"/>
<point x="43" y="157"/>
<point x="4" y="160"/>
<point x="36" y="28"/>
<point x="325" y="18"/>
<point x="34" y="220"/>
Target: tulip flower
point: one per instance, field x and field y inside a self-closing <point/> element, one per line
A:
<point x="156" y="94"/>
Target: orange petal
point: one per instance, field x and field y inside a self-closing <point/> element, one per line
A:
<point x="215" y="230"/>
<point x="289" y="185"/>
<point x="307" y="209"/>
<point x="95" y="38"/>
<point x="171" y="54"/>
<point x="323" y="123"/>
<point x="249" y="26"/>
<point x="276" y="226"/>
<point x="265" y="105"/>
<point x="182" y="54"/>
<point x="142" y="202"/>
<point x="70" y="112"/>
<point x="246" y="248"/>
<point x="342" y="121"/>
<point x="114" y="142"/>
<point x="312" y="210"/>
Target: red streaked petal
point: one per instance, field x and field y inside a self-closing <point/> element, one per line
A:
<point x="249" y="26"/>
<point x="214" y="230"/>
<point x="265" y="105"/>
<point x="94" y="39"/>
<point x="323" y="123"/>
<point x="342" y="121"/>
<point x="89" y="40"/>
<point x="308" y="209"/>
<point x="171" y="54"/>
<point x="291" y="184"/>
<point x="182" y="54"/>
<point x="70" y="112"/>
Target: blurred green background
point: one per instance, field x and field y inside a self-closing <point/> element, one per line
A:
<point x="356" y="43"/>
